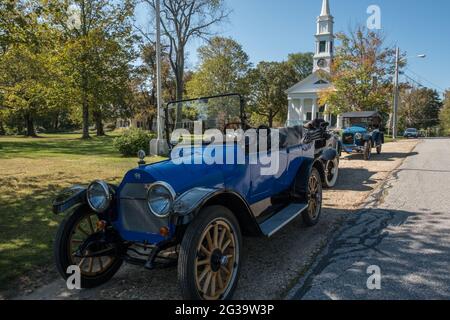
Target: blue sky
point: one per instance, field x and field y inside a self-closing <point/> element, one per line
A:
<point x="271" y="29"/>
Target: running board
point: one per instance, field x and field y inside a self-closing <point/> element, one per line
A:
<point x="282" y="218"/>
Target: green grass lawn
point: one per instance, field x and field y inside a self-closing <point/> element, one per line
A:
<point x="32" y="172"/>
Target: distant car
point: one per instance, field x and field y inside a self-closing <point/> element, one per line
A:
<point x="362" y="133"/>
<point x="411" y="133"/>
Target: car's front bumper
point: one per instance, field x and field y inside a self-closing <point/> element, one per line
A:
<point x="352" y="148"/>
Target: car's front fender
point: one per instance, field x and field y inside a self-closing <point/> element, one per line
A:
<point x="187" y="207"/>
<point x="69" y="198"/>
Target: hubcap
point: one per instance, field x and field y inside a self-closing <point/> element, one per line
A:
<point x="82" y="230"/>
<point x="216" y="261"/>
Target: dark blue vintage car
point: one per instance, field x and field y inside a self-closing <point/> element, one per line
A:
<point x="362" y="132"/>
<point x="199" y="210"/>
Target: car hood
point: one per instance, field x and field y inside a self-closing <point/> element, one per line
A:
<point x="354" y="130"/>
<point x="183" y="174"/>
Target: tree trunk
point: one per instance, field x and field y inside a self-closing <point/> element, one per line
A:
<point x="270" y="119"/>
<point x="99" y="124"/>
<point x="30" y="126"/>
<point x="85" y="115"/>
<point x="56" y="122"/>
<point x="2" y="129"/>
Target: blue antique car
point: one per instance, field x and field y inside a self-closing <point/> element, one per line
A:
<point x="191" y="213"/>
<point x="362" y="132"/>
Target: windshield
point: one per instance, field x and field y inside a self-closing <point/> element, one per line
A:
<point x="411" y="130"/>
<point x="222" y="113"/>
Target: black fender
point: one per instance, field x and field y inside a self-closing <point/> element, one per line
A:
<point x="187" y="207"/>
<point x="301" y="180"/>
<point x="69" y="198"/>
<point x="329" y="154"/>
<point x="75" y="196"/>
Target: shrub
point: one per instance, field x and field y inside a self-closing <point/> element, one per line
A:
<point x="131" y="141"/>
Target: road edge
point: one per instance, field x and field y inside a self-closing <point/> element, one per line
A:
<point x="374" y="198"/>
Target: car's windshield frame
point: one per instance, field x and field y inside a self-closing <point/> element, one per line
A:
<point x="173" y="104"/>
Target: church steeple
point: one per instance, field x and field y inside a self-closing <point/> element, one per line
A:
<point x="325" y="8"/>
<point x="324" y="39"/>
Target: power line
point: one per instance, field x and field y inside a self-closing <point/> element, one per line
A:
<point x="423" y="78"/>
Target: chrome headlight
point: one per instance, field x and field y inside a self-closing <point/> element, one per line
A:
<point x="160" y="198"/>
<point x="99" y="196"/>
<point x="358" y="136"/>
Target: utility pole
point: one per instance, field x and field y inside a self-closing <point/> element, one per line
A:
<point x="396" y="95"/>
<point x="158" y="70"/>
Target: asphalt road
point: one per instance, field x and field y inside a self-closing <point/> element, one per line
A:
<point x="405" y="233"/>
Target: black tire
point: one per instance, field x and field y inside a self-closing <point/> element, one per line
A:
<point x="367" y="150"/>
<point x="379" y="149"/>
<point x="311" y="215"/>
<point x="191" y="253"/>
<point x="64" y="259"/>
<point x="331" y="173"/>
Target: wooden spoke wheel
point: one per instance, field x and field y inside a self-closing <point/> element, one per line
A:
<point x="215" y="260"/>
<point x="314" y="199"/>
<point x="89" y="266"/>
<point x="209" y="262"/>
<point x="72" y="233"/>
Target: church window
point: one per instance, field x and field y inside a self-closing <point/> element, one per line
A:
<point x="322" y="46"/>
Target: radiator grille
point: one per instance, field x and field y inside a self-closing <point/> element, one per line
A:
<point x="134" y="212"/>
<point x="348" y="138"/>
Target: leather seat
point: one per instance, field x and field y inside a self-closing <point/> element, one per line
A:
<point x="290" y="137"/>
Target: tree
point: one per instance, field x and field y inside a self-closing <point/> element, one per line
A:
<point x="302" y="64"/>
<point x="144" y="84"/>
<point x="185" y="20"/>
<point x="268" y="99"/>
<point x="445" y="114"/>
<point x="16" y="16"/>
<point x="361" y="73"/>
<point x="26" y="72"/>
<point x="419" y="108"/>
<point x="87" y="25"/>
<point x="223" y="69"/>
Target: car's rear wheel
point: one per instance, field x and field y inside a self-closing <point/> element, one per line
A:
<point x="379" y="148"/>
<point x="209" y="261"/>
<point x="367" y="150"/>
<point x="311" y="216"/>
<point x="331" y="173"/>
<point x="72" y="233"/>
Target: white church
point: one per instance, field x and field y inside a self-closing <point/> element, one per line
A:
<point x="303" y="97"/>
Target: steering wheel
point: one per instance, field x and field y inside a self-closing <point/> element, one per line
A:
<point x="264" y="127"/>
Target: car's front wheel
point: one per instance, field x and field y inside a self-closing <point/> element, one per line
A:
<point x="209" y="260"/>
<point x="72" y="233"/>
